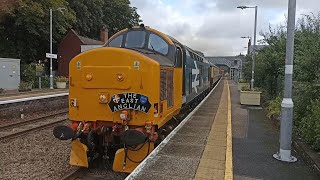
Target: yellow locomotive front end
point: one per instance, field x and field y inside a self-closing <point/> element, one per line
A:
<point x="112" y="89"/>
<point x="118" y="100"/>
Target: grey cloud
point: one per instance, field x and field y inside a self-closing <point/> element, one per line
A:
<point x="215" y="26"/>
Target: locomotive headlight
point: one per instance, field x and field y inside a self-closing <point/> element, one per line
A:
<point x="120" y="77"/>
<point x="89" y="77"/>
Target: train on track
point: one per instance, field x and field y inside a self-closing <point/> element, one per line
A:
<point x="125" y="96"/>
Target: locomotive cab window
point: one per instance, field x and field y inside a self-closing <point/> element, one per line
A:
<point x="157" y="44"/>
<point x="116" y="42"/>
<point x="135" y="39"/>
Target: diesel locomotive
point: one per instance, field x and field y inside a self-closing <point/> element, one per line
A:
<point x="123" y="96"/>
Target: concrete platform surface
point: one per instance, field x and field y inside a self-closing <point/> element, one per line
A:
<point x="181" y="157"/>
<point x="255" y="140"/>
<point x="5" y="97"/>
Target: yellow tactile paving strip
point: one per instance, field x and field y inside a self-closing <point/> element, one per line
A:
<point x="216" y="160"/>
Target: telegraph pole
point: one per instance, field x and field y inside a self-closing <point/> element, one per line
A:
<point x="284" y="153"/>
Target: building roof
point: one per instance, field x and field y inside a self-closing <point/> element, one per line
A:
<point x="87" y="41"/>
<point x="230" y="61"/>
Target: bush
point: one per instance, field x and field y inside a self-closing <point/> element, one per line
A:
<point x="1" y="91"/>
<point x="25" y="86"/>
<point x="28" y="73"/>
<point x="243" y="81"/>
<point x="45" y="82"/>
<point x="274" y="107"/>
<point x="245" y="88"/>
<point x="309" y="128"/>
<point x="61" y="79"/>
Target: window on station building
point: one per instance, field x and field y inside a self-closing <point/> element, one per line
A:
<point x="116" y="42"/>
<point x="156" y="43"/>
<point x="135" y="39"/>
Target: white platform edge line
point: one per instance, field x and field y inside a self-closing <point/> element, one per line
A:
<point x="139" y="168"/>
<point x="32" y="98"/>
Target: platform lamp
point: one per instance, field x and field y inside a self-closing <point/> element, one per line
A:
<point x="254" y="40"/>
<point x="51" y="75"/>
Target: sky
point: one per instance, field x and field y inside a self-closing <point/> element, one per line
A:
<point x="215" y="26"/>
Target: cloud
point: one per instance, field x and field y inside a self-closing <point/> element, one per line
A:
<point x="215" y="26"/>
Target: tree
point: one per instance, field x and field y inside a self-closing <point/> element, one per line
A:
<point x="24" y="31"/>
<point x="93" y="15"/>
<point x="118" y="14"/>
<point x="89" y="16"/>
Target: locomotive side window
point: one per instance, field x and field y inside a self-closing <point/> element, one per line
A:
<point x="116" y="42"/>
<point x="135" y="39"/>
<point x="178" y="62"/>
<point x="156" y="43"/>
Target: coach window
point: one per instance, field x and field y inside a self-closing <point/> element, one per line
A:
<point x="116" y="42"/>
<point x="156" y="43"/>
<point x="135" y="39"/>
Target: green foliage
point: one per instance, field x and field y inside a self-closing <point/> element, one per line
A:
<point x="25" y="86"/>
<point x="93" y="15"/>
<point x="269" y="75"/>
<point x="45" y="82"/>
<point x="28" y="73"/>
<point x="245" y="88"/>
<point x="61" y="79"/>
<point x="309" y="127"/>
<point x="274" y="107"/>
<point x="24" y="31"/>
<point x="243" y="81"/>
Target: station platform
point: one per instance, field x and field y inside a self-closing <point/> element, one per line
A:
<point x="222" y="140"/>
<point x="30" y="94"/>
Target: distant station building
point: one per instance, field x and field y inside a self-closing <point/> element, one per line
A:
<point x="73" y="44"/>
<point x="230" y="64"/>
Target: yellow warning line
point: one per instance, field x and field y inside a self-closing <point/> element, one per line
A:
<point x="228" y="173"/>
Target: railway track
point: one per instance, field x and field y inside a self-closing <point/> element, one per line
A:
<point x="20" y="128"/>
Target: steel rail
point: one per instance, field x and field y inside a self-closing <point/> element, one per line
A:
<point x="18" y="124"/>
<point x="19" y="133"/>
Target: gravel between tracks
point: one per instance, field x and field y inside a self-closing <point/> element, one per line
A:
<point x="34" y="156"/>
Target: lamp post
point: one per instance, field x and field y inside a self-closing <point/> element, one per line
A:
<point x="284" y="153"/>
<point x="254" y="40"/>
<point x="51" y="75"/>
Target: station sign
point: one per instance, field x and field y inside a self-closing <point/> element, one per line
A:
<point x="53" y="56"/>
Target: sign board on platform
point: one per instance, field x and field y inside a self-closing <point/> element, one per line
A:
<point x="53" y="56"/>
